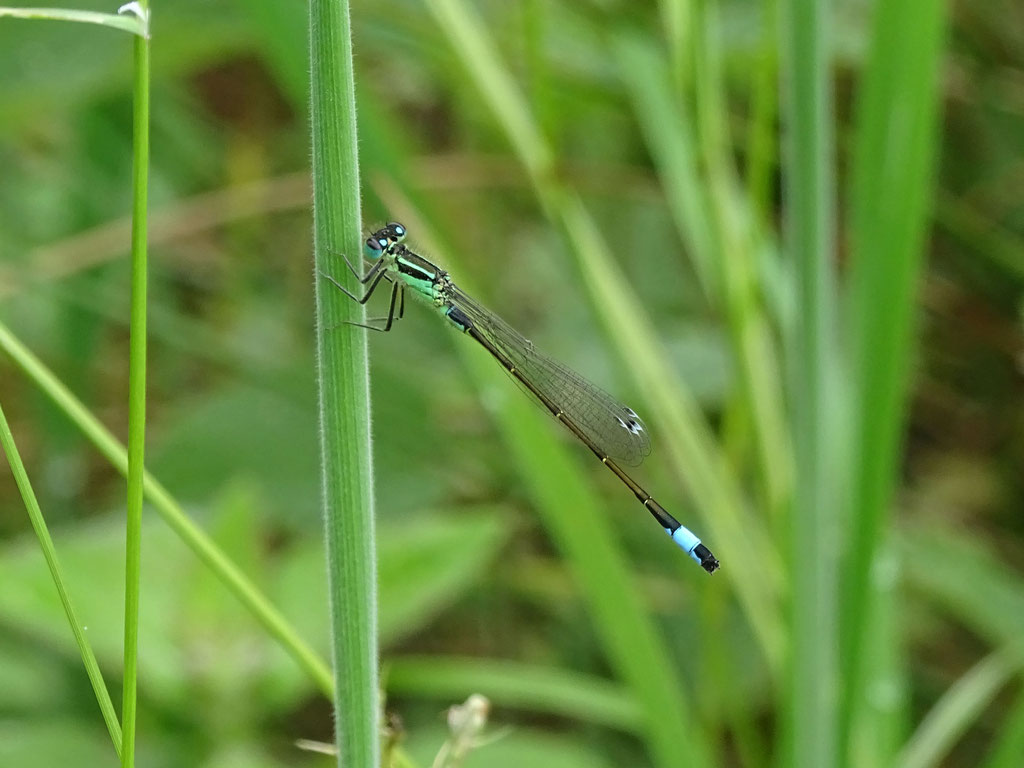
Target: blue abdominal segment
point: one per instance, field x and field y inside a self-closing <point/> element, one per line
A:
<point x="458" y="317"/>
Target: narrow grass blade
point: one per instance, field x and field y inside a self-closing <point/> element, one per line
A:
<point x="809" y="199"/>
<point x="882" y="723"/>
<point x="954" y="571"/>
<point x="196" y="539"/>
<point x="1009" y="747"/>
<point x="670" y="139"/>
<point x="890" y="201"/>
<point x="965" y="700"/>
<point x="136" y="391"/>
<point x="742" y="250"/>
<point x="675" y="19"/>
<point x="978" y="233"/>
<point x="762" y="147"/>
<point x="126" y="23"/>
<point x="35" y="515"/>
<point x="344" y="384"/>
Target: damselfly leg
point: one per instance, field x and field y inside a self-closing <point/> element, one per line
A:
<point x="396" y="291"/>
<point x="374" y="278"/>
<point x="364" y="279"/>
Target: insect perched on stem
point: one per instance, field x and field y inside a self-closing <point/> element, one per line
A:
<point x="613" y="432"/>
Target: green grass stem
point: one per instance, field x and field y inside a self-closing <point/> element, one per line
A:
<point x="344" y="386"/>
<point x="761" y="145"/>
<point x="35" y="516"/>
<point x="136" y="393"/>
<point x="676" y="22"/>
<point x="739" y="248"/>
<point x="890" y="204"/>
<point x="809" y="719"/>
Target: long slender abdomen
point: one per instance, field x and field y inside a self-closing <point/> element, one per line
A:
<point x="679" y="533"/>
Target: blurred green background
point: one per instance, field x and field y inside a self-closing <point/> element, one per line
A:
<point x="478" y="589"/>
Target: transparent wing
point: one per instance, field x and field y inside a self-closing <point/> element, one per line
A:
<point x="613" y="427"/>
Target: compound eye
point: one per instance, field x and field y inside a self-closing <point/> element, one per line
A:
<point x="397" y="228"/>
<point x="375" y="244"/>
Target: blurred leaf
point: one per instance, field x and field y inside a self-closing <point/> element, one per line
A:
<point x="238" y="433"/>
<point x="811" y="723"/>
<point x="194" y="631"/>
<point x="67" y="64"/>
<point x="30" y="681"/>
<point x="93" y="559"/>
<point x="510" y="684"/>
<point x="669" y="135"/>
<point x="425" y="564"/>
<point x="282" y="34"/>
<point x="958" y="708"/>
<point x="957" y="571"/>
<point x="518" y="748"/>
<point x="979" y="234"/>
<point x="50" y="742"/>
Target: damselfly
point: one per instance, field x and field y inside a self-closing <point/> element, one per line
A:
<point x="613" y="432"/>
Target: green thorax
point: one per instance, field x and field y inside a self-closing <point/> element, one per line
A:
<point x="425" y="278"/>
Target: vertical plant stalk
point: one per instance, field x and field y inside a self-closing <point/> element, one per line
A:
<point x="890" y="202"/>
<point x="761" y="147"/>
<point x="676" y="20"/>
<point x="136" y="391"/>
<point x="35" y="515"/>
<point x="739" y="248"/>
<point x="344" y="385"/>
<point x="809" y="215"/>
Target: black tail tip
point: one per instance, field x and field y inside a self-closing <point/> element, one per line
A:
<point x="707" y="560"/>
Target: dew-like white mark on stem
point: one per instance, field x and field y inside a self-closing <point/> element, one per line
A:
<point x="135" y="9"/>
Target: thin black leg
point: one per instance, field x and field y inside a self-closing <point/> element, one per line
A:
<point x="374" y="269"/>
<point x="361" y="278"/>
<point x="395" y="290"/>
<point x="369" y="291"/>
<point x="401" y="305"/>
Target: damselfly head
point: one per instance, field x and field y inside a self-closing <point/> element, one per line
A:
<point x="375" y="245"/>
<point x="382" y="239"/>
